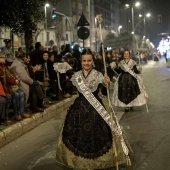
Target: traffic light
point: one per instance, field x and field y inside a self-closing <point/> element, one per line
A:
<point x="53" y="14"/>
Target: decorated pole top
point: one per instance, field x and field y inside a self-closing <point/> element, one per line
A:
<point x="99" y="18"/>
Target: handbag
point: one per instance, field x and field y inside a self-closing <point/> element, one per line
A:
<point x="14" y="87"/>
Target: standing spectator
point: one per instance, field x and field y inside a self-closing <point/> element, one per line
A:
<point x="67" y="49"/>
<point x="108" y="57"/>
<point x="77" y="55"/>
<point x="62" y="49"/>
<point x="61" y="68"/>
<point x="7" y="50"/>
<point x="113" y="69"/>
<point x="98" y="63"/>
<point x="155" y="57"/>
<point x="36" y="55"/>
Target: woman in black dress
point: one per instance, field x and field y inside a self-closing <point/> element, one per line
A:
<point x="87" y="138"/>
<point x="129" y="90"/>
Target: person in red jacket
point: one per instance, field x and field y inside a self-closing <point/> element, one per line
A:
<point x="5" y="100"/>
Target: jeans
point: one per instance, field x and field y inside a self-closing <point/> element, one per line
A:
<point x="4" y="105"/>
<point x="18" y="101"/>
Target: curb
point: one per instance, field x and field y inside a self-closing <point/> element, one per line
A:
<point x="16" y="130"/>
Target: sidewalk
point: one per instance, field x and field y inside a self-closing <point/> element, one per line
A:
<point x="12" y="132"/>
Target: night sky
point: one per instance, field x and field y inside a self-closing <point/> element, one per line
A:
<point x="155" y="7"/>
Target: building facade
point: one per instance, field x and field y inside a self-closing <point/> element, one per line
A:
<point x="63" y="28"/>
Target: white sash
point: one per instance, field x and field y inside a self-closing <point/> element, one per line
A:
<point x="101" y="110"/>
<point x="92" y="100"/>
<point x="138" y="78"/>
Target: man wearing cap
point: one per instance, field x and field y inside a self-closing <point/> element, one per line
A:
<point x="7" y="50"/>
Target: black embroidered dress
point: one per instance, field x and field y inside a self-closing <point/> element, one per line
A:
<point x="129" y="89"/>
<point x="86" y="139"/>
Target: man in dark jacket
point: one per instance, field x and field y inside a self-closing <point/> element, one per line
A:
<point x="36" y="55"/>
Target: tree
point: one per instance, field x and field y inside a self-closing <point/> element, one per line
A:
<point x="23" y="16"/>
<point x="110" y="40"/>
<point x="123" y="40"/>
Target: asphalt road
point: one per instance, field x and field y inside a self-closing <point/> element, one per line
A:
<point x="148" y="133"/>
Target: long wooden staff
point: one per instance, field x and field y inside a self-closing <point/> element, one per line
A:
<point x="145" y="98"/>
<point x="99" y="19"/>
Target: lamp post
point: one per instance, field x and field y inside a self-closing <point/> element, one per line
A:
<point x="45" y="9"/>
<point x="133" y="23"/>
<point x="144" y="22"/>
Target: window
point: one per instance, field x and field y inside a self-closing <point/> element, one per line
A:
<point x="48" y="36"/>
<point x="66" y="37"/>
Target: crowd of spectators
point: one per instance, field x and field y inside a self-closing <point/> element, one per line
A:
<point x="31" y="81"/>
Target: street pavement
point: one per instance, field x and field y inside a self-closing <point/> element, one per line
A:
<point x="148" y="133"/>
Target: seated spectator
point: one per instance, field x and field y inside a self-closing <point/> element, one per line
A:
<point x="54" y="52"/>
<point x="31" y="49"/>
<point x="36" y="96"/>
<point x="5" y="100"/>
<point x="20" y="49"/>
<point x="46" y="73"/>
<point x="22" y="72"/>
<point x="51" y="57"/>
<point x="10" y="84"/>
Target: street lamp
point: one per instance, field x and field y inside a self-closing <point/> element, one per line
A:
<point x="144" y="21"/>
<point x="119" y="27"/>
<point x="133" y="25"/>
<point x="45" y="9"/>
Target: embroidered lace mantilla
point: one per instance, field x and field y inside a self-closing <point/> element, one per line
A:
<point x="130" y="64"/>
<point x="62" y="67"/>
<point x="92" y="80"/>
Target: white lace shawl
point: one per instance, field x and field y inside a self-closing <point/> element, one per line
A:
<point x="92" y="81"/>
